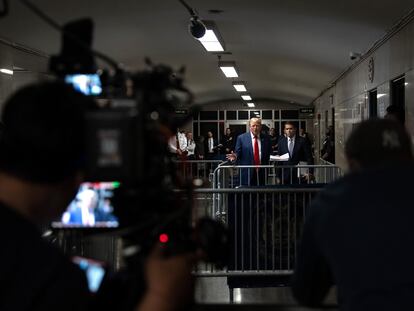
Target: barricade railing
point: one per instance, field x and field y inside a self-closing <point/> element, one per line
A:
<point x="231" y="176"/>
<point x="264" y="224"/>
<point x="197" y="169"/>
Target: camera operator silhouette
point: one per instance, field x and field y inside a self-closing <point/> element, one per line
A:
<point x="42" y="162"/>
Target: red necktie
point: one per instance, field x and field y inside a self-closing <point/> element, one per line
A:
<point x="256" y="152"/>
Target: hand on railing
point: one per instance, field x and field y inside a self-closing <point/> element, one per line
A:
<point x="309" y="178"/>
<point x="231" y="156"/>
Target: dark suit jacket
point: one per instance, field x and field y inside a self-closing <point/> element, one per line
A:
<point x="208" y="155"/>
<point x="301" y="152"/>
<point x="245" y="156"/>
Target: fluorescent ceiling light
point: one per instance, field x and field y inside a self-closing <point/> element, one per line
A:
<point x="246" y="97"/>
<point x="406" y="83"/>
<point x="239" y="86"/>
<point x="6" y="71"/>
<point x="381" y="95"/>
<point x="229" y="69"/>
<point x="211" y="41"/>
<point x="251" y="105"/>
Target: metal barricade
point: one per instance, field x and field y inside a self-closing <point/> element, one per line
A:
<point x="264" y="224"/>
<point x="231" y="176"/>
<point x="197" y="169"/>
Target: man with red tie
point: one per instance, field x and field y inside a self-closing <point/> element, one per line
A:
<point x="252" y="148"/>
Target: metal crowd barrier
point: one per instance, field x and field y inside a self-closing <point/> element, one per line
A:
<point x="265" y="225"/>
<point x="231" y="176"/>
<point x="197" y="169"/>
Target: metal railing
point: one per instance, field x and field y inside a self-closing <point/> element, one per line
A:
<point x="264" y="225"/>
<point x="197" y="169"/>
<point x="231" y="176"/>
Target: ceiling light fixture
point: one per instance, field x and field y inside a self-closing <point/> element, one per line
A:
<point x="251" y="105"/>
<point x="240" y="86"/>
<point x="229" y="69"/>
<point x="246" y="97"/>
<point x="6" y="71"/>
<point x="212" y="40"/>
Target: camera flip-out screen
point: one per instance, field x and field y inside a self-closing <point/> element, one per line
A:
<point x="88" y="84"/>
<point x="91" y="208"/>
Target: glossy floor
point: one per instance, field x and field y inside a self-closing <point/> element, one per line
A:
<point x="212" y="290"/>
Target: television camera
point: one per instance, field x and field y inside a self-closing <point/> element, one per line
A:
<point x="126" y="137"/>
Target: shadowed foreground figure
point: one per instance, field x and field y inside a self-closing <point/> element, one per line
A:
<point x="359" y="231"/>
<point x="41" y="167"/>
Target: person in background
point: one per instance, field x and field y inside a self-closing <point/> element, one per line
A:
<point x="328" y="146"/>
<point x="274" y="138"/>
<point x="306" y="136"/>
<point x="177" y="144"/>
<point x="191" y="145"/>
<point x="200" y="150"/>
<point x="228" y="142"/>
<point x="358" y="232"/>
<point x="211" y="147"/>
<point x="396" y="113"/>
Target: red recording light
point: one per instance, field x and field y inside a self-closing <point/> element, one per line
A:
<point x="163" y="238"/>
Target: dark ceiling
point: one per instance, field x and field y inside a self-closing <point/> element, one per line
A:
<point x="286" y="50"/>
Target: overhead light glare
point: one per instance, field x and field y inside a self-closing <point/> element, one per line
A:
<point x="246" y="97"/>
<point x="251" y="105"/>
<point x="211" y="42"/>
<point x="229" y="69"/>
<point x="381" y="95"/>
<point x="6" y="71"/>
<point x="239" y="86"/>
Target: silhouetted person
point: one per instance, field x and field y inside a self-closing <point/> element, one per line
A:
<point x="396" y="113"/>
<point x="359" y="231"/>
<point x="328" y="146"/>
<point x="41" y="167"/>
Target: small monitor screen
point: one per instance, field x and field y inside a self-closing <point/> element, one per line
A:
<point x="92" y="207"/>
<point x="88" y="84"/>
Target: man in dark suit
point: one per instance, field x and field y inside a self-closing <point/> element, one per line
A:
<point x="252" y="148"/>
<point x="298" y="150"/>
<point x="211" y="148"/>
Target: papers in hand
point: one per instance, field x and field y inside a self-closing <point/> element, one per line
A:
<point x="283" y="157"/>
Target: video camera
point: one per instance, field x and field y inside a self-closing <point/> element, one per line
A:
<point x="126" y="137"/>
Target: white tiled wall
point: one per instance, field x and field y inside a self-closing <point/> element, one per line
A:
<point x="392" y="59"/>
<point x="35" y="67"/>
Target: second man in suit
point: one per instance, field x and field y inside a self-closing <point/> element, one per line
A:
<point x="299" y="151"/>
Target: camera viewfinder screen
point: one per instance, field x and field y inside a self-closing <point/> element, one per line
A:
<point x="88" y="84"/>
<point x="91" y="208"/>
